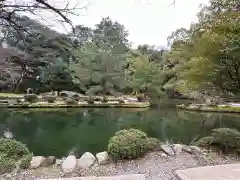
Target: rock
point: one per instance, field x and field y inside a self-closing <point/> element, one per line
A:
<point x="167" y="149"/>
<point x="196" y="149"/>
<point x="36" y="162"/>
<point x="58" y="162"/>
<point x="178" y="148"/>
<point x="86" y="161"/>
<point x="187" y="149"/>
<point x="49" y="161"/>
<point x="163" y="154"/>
<point x="69" y="164"/>
<point x="102" y="157"/>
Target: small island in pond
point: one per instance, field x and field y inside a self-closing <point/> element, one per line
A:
<point x="70" y="100"/>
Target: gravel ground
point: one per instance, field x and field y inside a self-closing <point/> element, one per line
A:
<point x="153" y="165"/>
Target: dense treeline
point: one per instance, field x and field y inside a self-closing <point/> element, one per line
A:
<point x="203" y="59"/>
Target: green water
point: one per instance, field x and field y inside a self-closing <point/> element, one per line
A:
<point x="58" y="132"/>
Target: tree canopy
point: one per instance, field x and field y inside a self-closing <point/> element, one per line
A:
<point x="204" y="58"/>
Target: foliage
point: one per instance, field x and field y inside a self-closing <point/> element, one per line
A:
<point x="25" y="161"/>
<point x="12" y="152"/>
<point x="90" y="100"/>
<point x="206" y="54"/>
<point x="30" y="98"/>
<point x="225" y="138"/>
<point x="104" y="100"/>
<point x="6" y="164"/>
<point x="130" y="144"/>
<point x="12" y="148"/>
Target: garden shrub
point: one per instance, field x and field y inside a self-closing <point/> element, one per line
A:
<point x="11" y="153"/>
<point x="6" y="164"/>
<point x="76" y="97"/>
<point x="25" y="161"/>
<point x="141" y="98"/>
<point x="50" y="99"/>
<point x="226" y="139"/>
<point x="13" y="149"/>
<point x="104" y="99"/>
<point x="152" y="143"/>
<point x="130" y="144"/>
<point x="30" y="98"/>
<point x="90" y="100"/>
<point x="63" y="94"/>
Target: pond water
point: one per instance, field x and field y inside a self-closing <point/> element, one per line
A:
<point x="57" y="132"/>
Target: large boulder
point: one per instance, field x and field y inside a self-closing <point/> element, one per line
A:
<point x="102" y="157"/>
<point x="49" y="161"/>
<point x="86" y="161"/>
<point x="178" y="148"/>
<point x="36" y="162"/>
<point x="69" y="164"/>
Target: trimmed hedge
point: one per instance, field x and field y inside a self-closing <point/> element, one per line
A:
<point x="13" y="152"/>
<point x="131" y="144"/>
<point x="30" y="98"/>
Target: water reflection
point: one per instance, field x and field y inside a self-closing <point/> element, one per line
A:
<point x="62" y="131"/>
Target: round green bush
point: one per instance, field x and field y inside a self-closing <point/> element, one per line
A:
<point x="30" y="98"/>
<point x="130" y="144"/>
<point x="13" y="149"/>
<point x="6" y="164"/>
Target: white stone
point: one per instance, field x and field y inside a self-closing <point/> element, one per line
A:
<point x="163" y="155"/>
<point x="187" y="149"/>
<point x="69" y="164"/>
<point x="177" y="148"/>
<point x="196" y="149"/>
<point x="102" y="157"/>
<point x="86" y="161"/>
<point x="36" y="162"/>
<point x="167" y="149"/>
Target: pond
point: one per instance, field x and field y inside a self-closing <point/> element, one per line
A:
<point x="57" y="132"/>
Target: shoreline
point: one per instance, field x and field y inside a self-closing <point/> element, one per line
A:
<point x="155" y="165"/>
<point x="224" y="108"/>
<point x="79" y="105"/>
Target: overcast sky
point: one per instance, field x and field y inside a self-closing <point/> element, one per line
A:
<point x="148" y="21"/>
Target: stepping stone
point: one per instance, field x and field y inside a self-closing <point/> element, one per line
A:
<point x="219" y="172"/>
<point x="120" y="177"/>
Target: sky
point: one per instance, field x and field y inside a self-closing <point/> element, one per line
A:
<point x="148" y="21"/>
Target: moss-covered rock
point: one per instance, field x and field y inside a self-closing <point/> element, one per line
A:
<point x="130" y="144"/>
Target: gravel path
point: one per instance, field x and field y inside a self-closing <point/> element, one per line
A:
<point x="153" y="165"/>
